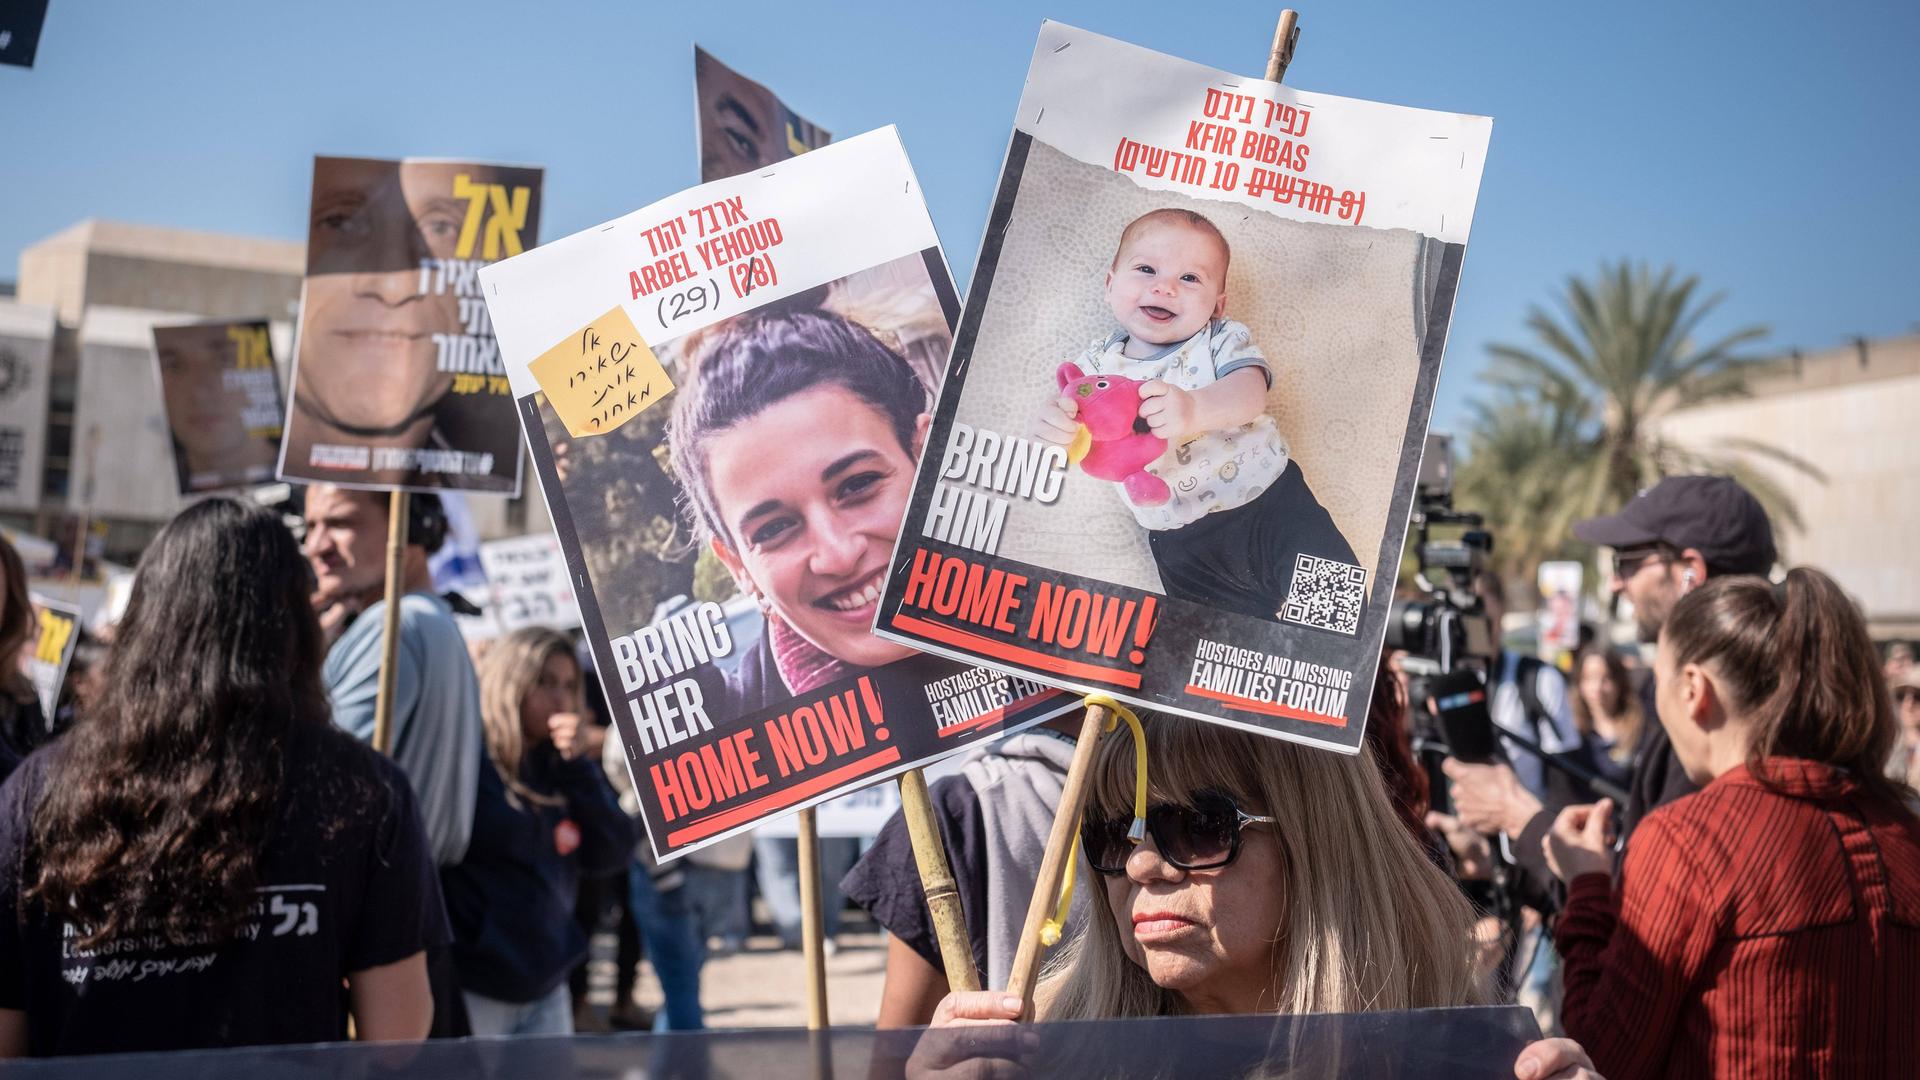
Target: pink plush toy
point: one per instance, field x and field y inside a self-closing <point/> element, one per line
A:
<point x="1118" y="446"/>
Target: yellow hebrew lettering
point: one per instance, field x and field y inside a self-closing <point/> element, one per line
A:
<point x="54" y="632"/>
<point x="509" y="217"/>
<point x="476" y="196"/>
<point x="250" y="347"/>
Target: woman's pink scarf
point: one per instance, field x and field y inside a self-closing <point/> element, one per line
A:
<point x="803" y="665"/>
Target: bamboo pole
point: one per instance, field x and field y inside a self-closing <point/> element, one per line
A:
<point x="812" y="927"/>
<point x="390" y="634"/>
<point x="1053" y="865"/>
<point x="936" y="880"/>
<point x="1286" y="36"/>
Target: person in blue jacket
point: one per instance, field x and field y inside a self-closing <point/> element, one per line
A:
<point x="544" y="816"/>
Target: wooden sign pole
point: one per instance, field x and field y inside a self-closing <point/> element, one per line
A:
<point x="936" y="880"/>
<point x="813" y="950"/>
<point x="1285" y="37"/>
<point x="1059" y="852"/>
<point x="390" y="633"/>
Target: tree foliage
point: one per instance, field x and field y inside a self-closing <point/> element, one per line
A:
<point x="1574" y="428"/>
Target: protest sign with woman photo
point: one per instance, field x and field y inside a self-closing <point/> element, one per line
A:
<point x="726" y="395"/>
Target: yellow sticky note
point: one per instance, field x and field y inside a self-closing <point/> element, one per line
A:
<point x="601" y="376"/>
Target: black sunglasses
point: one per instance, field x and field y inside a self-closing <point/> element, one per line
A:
<point x="1628" y="563"/>
<point x="1203" y="834"/>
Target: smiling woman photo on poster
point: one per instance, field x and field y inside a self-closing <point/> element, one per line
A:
<point x="795" y="446"/>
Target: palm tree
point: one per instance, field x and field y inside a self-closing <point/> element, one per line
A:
<point x="1517" y="452"/>
<point x="1580" y="409"/>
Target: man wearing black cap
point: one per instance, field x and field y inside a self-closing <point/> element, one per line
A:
<point x="1666" y="541"/>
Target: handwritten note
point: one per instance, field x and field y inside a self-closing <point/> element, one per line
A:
<point x="601" y="376"/>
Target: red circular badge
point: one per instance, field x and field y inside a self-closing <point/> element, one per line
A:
<point x="566" y="837"/>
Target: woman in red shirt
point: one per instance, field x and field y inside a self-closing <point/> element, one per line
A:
<point x="1768" y="925"/>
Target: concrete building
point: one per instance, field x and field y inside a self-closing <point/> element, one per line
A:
<point x="1853" y="413"/>
<point x="209" y="275"/>
<point x="81" y="320"/>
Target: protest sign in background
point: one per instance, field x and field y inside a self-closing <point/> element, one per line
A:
<point x="397" y="380"/>
<point x="1243" y="577"/>
<point x="1559" y="616"/>
<point x="740" y="124"/>
<point x="723" y="394"/>
<point x="222" y="400"/>
<point x="527" y="580"/>
<point x="51" y="649"/>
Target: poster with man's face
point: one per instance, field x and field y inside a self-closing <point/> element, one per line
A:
<point x="725" y="394"/>
<point x="397" y="380"/>
<point x="222" y="399"/>
<point x="741" y="125"/>
<point x="45" y="656"/>
<point x="1176" y="448"/>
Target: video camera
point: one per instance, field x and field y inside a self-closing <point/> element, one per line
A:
<point x="1449" y="624"/>
<point x="1451" y="642"/>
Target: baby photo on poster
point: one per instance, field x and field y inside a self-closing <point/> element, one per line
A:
<point x="1175" y="450"/>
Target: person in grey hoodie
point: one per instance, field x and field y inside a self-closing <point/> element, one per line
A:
<point x="994" y="818"/>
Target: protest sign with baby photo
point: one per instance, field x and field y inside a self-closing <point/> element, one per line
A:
<point x="725" y="394"/>
<point x="1176" y="448"/>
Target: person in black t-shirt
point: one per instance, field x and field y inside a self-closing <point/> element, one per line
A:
<point x="203" y="860"/>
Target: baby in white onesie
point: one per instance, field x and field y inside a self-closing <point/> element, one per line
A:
<point x="1240" y="510"/>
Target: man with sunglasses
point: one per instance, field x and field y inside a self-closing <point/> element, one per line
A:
<point x="1666" y="541"/>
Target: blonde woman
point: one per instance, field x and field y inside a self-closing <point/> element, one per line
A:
<point x="1272" y="878"/>
<point x="544" y="816"/>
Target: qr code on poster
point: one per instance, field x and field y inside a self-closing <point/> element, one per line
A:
<point x="1326" y="594"/>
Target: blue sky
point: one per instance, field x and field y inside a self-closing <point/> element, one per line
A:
<point x="1767" y="147"/>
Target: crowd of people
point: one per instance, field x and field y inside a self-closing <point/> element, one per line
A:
<point x="209" y="852"/>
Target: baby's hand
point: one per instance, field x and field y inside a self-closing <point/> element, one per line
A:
<point x="1056" y="423"/>
<point x="1169" y="411"/>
